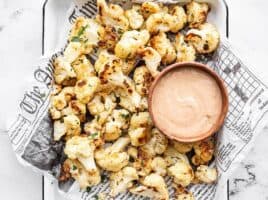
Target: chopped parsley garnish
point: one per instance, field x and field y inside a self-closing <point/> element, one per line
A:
<point x="74" y="167"/>
<point x="80" y="32"/>
<point x="126" y="116"/>
<point x="120" y="31"/>
<point x="96" y="197"/>
<point x="94" y="135"/>
<point x="75" y="39"/>
<point x="88" y="189"/>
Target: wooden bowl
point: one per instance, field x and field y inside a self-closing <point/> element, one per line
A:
<point x="224" y="95"/>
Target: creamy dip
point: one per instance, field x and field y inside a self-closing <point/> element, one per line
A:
<point x="186" y="102"/>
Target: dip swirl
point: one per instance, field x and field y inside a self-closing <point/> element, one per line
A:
<point x="186" y="102"/>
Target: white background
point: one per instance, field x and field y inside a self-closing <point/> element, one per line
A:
<point x="20" y="46"/>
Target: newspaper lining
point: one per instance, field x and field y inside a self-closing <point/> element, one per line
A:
<point x="32" y="139"/>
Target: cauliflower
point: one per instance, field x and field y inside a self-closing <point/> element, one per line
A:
<point x="130" y="42"/>
<point x="72" y="125"/>
<point x="140" y="128"/>
<point x="77" y="108"/>
<point x="134" y="17"/>
<point x="182" y="173"/>
<point x="112" y="158"/>
<point x="159" y="22"/>
<point x="148" y="8"/>
<point x="172" y="156"/>
<point x="112" y="15"/>
<point x="81" y="175"/>
<point x="183" y="194"/>
<point x="206" y="174"/>
<point x="122" y="180"/>
<point x="74" y="50"/>
<point x="143" y="80"/>
<point x="179" y="19"/>
<point x="59" y="130"/>
<point x="205" y="39"/>
<point x="109" y="38"/>
<point x="182" y="147"/>
<point x="157" y="145"/>
<point x="204" y="150"/>
<point x="83" y="68"/>
<point x="185" y="52"/>
<point x="159" y="166"/>
<point x="86" y="88"/>
<point x="54" y="113"/>
<point x="61" y="100"/>
<point x="93" y="127"/>
<point x="154" y="187"/>
<point x="63" y="71"/>
<point x="102" y="110"/>
<point x="56" y="89"/>
<point x="86" y="31"/>
<point x="117" y="122"/>
<point x="196" y="13"/>
<point x="152" y="59"/>
<point x="82" y="149"/>
<point x="163" y="46"/>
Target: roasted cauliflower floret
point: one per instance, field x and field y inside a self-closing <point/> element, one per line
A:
<point x="77" y="108"/>
<point x="182" y="147"/>
<point x="148" y="8"/>
<point x="122" y="180"/>
<point x="59" y="130"/>
<point x="116" y="123"/>
<point x="185" y="52"/>
<point x="179" y="19"/>
<point x="172" y="156"/>
<point x="183" y="194"/>
<point x="152" y="59"/>
<point x="109" y="38"/>
<point x="130" y="42"/>
<point x="196" y="13"/>
<point x="205" y="39"/>
<point x="76" y="49"/>
<point x="159" y="22"/>
<point x="87" y="31"/>
<point x="140" y="128"/>
<point x="86" y="88"/>
<point x="93" y="127"/>
<point x="128" y="66"/>
<point x="112" y="158"/>
<point x="61" y="100"/>
<point x="63" y="71"/>
<point x="112" y="15"/>
<point x="204" y="150"/>
<point x="154" y="187"/>
<point x="159" y="166"/>
<point x="206" y="174"/>
<point x="163" y="46"/>
<point x="143" y="80"/>
<point x="82" y="149"/>
<point x="72" y="125"/>
<point x="157" y="144"/>
<point x="101" y="106"/>
<point x="134" y="17"/>
<point x="83" y="68"/>
<point x="81" y="175"/>
<point x="182" y="173"/>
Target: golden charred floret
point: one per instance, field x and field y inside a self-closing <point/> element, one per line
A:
<point x="185" y="52"/>
<point x="143" y="80"/>
<point x="83" y="68"/>
<point x="196" y="13"/>
<point x="134" y="17"/>
<point x="206" y="174"/>
<point x="163" y="46"/>
<point x="205" y="39"/>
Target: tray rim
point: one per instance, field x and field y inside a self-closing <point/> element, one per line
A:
<point x="43" y="52"/>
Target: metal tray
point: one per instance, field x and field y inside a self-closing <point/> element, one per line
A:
<point x="52" y="17"/>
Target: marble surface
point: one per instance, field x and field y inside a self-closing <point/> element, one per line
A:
<point x="20" y="39"/>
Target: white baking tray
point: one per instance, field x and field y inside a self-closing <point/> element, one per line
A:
<point x="54" y="13"/>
